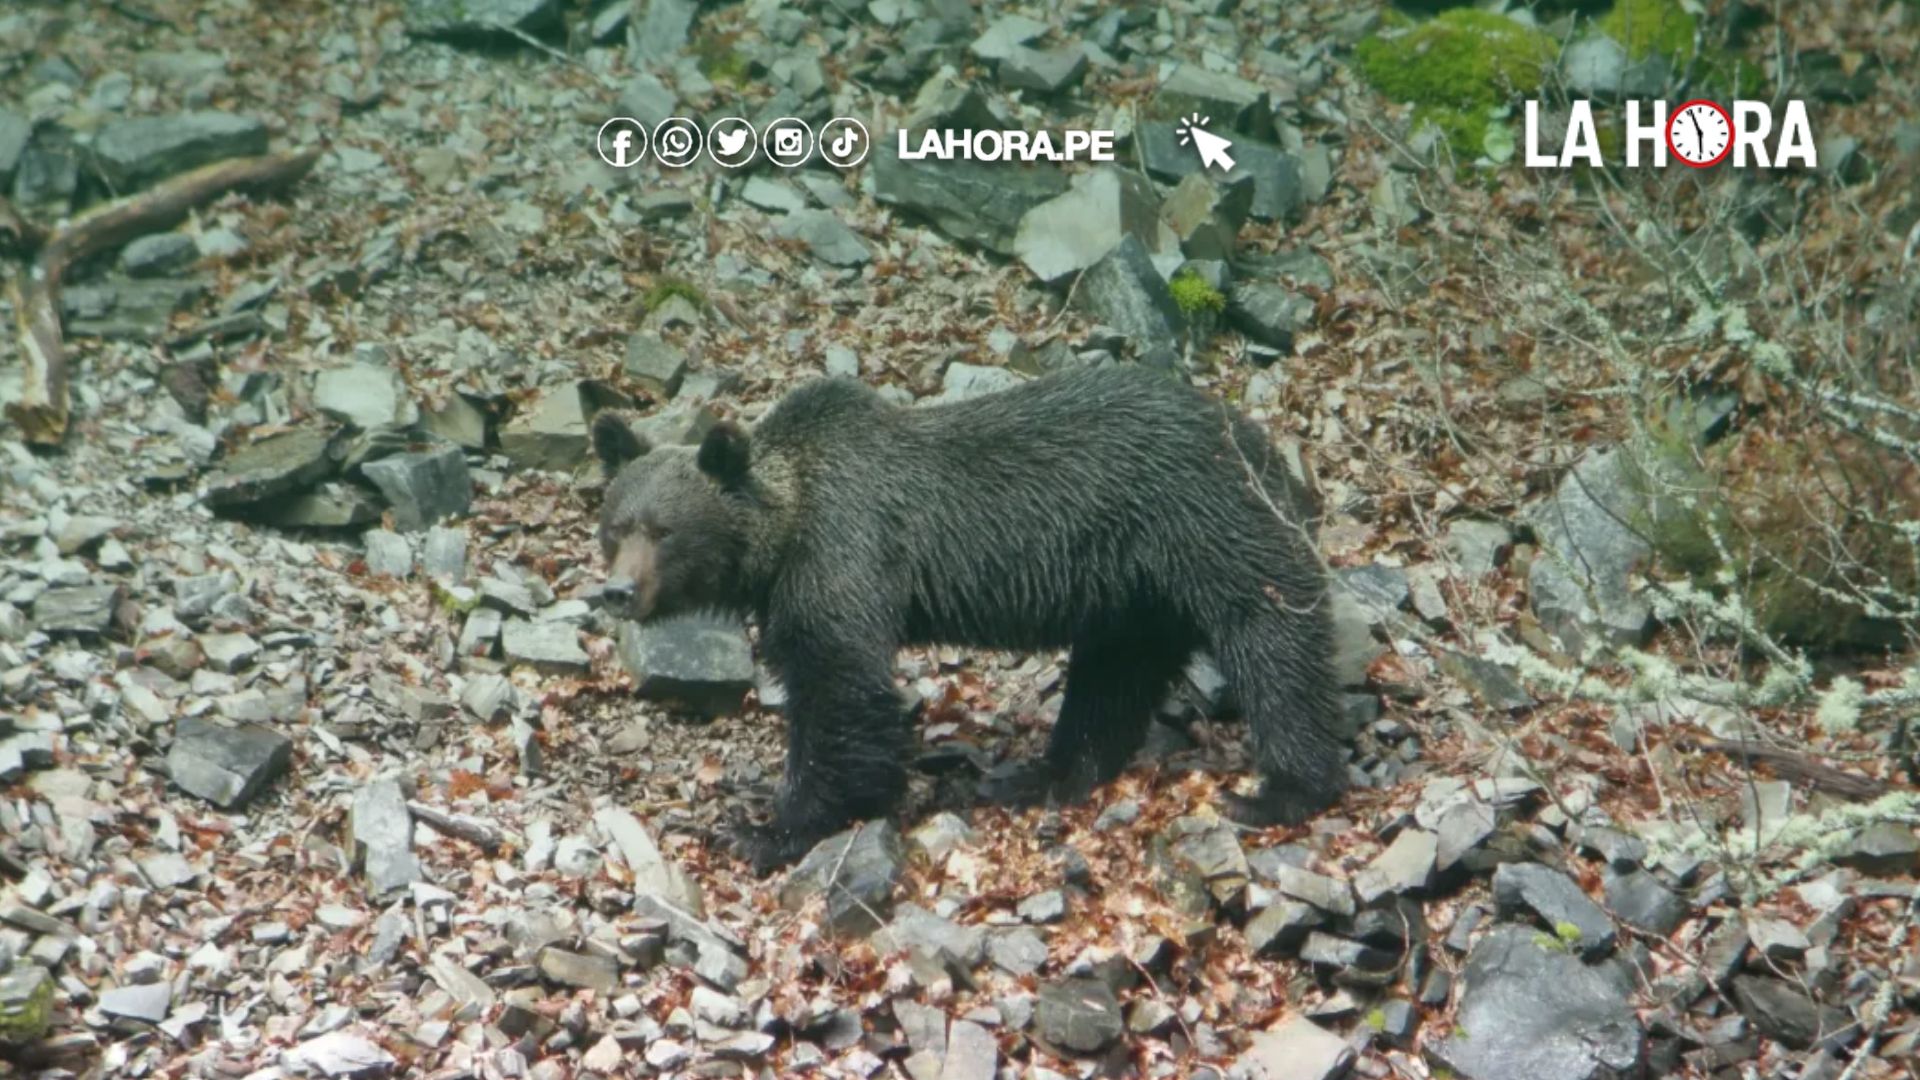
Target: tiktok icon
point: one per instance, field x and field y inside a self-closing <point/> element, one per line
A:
<point x="843" y="142"/>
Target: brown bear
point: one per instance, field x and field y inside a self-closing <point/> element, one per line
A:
<point x="1115" y="512"/>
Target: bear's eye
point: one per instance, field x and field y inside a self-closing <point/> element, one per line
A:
<point x="659" y="532"/>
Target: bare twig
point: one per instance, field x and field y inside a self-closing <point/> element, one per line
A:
<point x="1793" y="765"/>
<point x="479" y="833"/>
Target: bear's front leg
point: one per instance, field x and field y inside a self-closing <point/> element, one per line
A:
<point x="848" y="736"/>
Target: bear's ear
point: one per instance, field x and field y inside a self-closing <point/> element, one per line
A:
<point x="614" y="440"/>
<point x="724" y="454"/>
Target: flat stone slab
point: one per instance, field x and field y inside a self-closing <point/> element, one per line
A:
<point x="226" y="766"/>
<point x="702" y="663"/>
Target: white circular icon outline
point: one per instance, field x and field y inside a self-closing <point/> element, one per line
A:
<point x="639" y="154"/>
<point x="746" y="159"/>
<point x="766" y="144"/>
<point x="866" y="142"/>
<point x="699" y="142"/>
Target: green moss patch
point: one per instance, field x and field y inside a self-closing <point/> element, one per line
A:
<point x="1457" y="69"/>
<point x="1651" y="28"/>
<point x="1662" y="28"/>
<point x="1193" y="295"/>
<point x="1463" y="58"/>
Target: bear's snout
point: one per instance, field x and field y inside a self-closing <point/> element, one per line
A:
<point x="633" y="583"/>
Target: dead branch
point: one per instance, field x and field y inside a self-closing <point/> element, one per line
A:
<point x="18" y="236"/>
<point x="1792" y="765"/>
<point x="481" y="834"/>
<point x="41" y="412"/>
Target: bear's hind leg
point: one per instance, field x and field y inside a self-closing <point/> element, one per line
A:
<point x="1278" y="661"/>
<point x="1114" y="682"/>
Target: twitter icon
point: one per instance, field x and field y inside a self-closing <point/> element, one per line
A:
<point x="731" y="142"/>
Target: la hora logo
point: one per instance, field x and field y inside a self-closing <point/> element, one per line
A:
<point x="1700" y="134"/>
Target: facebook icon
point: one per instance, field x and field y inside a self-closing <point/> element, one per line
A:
<point x="622" y="142"/>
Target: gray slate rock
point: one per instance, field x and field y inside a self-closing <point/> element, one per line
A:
<point x="47" y="176"/>
<point x="1296" y="1050"/>
<point x="551" y="434"/>
<point x="915" y="929"/>
<point x="388" y="554"/>
<point x="1558" y="902"/>
<point x="857" y="871"/>
<point x="1281" y="926"/>
<point x="26" y="1003"/>
<point x="332" y="505"/>
<point x="1043" y="71"/>
<point x="382" y="831"/>
<point x="15" y="132"/>
<point x="972" y="1053"/>
<point x="271" y="467"/>
<point x="596" y="973"/>
<point x="1005" y="35"/>
<point x="134" y="152"/>
<point x="1596" y="66"/>
<point x="367" y="395"/>
<point x="1784" y="1012"/>
<point x="1405" y="866"/>
<point x="1588" y="546"/>
<point x="657" y="365"/>
<point x="226" y="766"/>
<point x="1124" y="291"/>
<point x="1277" y="189"/>
<point x="1381" y="591"/>
<point x="1492" y="683"/>
<point x="1076" y="229"/>
<point x="1644" y="902"/>
<point x="1477" y="545"/>
<point x="1328" y="894"/>
<point x="480" y="20"/>
<point x="423" y="487"/>
<point x="661" y="32"/>
<point x="700" y="662"/>
<point x="1885" y="849"/>
<point x="1231" y="102"/>
<point x="552" y="647"/>
<point x="826" y="236"/>
<point x="962" y="381"/>
<point x="1018" y="952"/>
<point x="149" y="1003"/>
<point x="158" y="254"/>
<point x="1206" y="217"/>
<point x="1270" y="314"/>
<point x="1531" y="1010"/>
<point x="23" y="751"/>
<point x="1078" y="1015"/>
<point x="978" y="203"/>
<point x="76" y="609"/>
<point x="444" y="555"/>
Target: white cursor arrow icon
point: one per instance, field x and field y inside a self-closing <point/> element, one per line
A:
<point x="1212" y="148"/>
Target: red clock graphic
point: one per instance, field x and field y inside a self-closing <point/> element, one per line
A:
<point x="1700" y="133"/>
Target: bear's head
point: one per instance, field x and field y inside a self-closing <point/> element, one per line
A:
<point x="673" y="525"/>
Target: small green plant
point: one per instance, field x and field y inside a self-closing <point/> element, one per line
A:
<point x="1193" y="296"/>
<point x="719" y="60"/>
<point x="1567" y="932"/>
<point x="667" y="288"/>
<point x="453" y="603"/>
